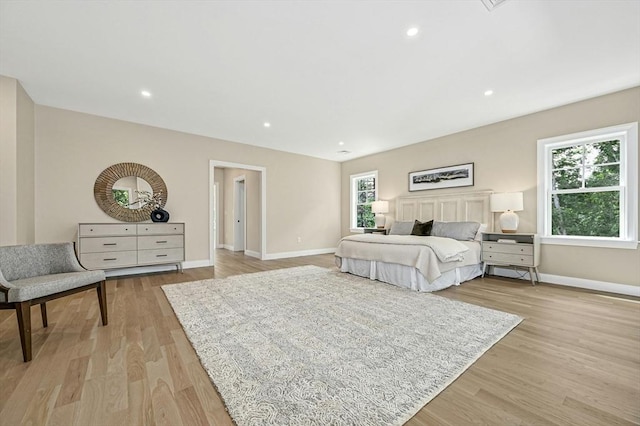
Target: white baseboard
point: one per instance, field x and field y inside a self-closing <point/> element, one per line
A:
<point x="287" y="254"/>
<point x="629" y="290"/>
<point x="226" y="246"/>
<point x="252" y="253"/>
<point x="196" y="264"/>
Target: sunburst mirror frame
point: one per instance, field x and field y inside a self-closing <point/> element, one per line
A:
<point x="103" y="191"/>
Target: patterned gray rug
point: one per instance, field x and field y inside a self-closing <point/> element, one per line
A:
<point x="313" y="346"/>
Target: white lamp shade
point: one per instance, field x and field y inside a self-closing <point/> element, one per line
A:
<point x="380" y="207"/>
<point x="507" y="201"/>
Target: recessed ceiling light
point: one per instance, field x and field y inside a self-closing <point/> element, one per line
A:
<point x="340" y="143"/>
<point x="267" y="124"/>
<point x="145" y="93"/>
<point x="412" y="32"/>
<point x="488" y="92"/>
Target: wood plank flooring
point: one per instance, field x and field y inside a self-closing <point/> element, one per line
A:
<point x="574" y="360"/>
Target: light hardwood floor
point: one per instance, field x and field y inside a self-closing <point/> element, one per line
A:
<point x="574" y="360"/>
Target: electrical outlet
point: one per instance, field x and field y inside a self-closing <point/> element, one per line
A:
<point x="299" y="239"/>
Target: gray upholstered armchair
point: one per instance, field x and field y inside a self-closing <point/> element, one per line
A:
<point x="34" y="274"/>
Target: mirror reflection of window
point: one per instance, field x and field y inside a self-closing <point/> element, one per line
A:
<point x="127" y="189"/>
<point x="121" y="196"/>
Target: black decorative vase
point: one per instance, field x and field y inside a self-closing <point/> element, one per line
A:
<point x="160" y="215"/>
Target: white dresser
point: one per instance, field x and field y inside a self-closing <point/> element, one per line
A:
<point x="124" y="245"/>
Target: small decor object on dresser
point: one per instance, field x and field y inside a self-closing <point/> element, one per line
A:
<point x="160" y="215"/>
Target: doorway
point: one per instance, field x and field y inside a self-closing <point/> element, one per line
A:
<point x="218" y="214"/>
<point x="239" y="214"/>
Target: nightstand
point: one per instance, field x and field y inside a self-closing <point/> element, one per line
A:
<point x="514" y="250"/>
<point x="376" y="231"/>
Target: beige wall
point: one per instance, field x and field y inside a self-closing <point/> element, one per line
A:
<point x="17" y="177"/>
<point x="505" y="160"/>
<point x="73" y="148"/>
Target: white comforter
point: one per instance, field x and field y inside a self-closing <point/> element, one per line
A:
<point x="422" y="253"/>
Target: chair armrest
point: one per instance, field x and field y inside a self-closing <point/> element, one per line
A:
<point x="4" y="286"/>
<point x="72" y="258"/>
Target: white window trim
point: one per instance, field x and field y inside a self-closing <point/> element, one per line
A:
<point x="352" y="200"/>
<point x="628" y="134"/>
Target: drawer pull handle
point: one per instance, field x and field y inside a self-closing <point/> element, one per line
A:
<point x="161" y="242"/>
<point x="111" y="258"/>
<point x="161" y="255"/>
<point x="110" y="244"/>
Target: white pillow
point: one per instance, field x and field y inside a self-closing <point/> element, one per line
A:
<point x="483" y="228"/>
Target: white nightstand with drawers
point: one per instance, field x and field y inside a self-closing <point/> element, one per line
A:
<point x="124" y="245"/>
<point x="514" y="250"/>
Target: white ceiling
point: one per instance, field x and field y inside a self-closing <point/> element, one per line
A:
<point x="319" y="71"/>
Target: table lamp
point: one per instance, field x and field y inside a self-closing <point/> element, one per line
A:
<point x="379" y="208"/>
<point x="508" y="203"/>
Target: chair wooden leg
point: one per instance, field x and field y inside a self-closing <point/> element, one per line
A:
<point x="102" y="301"/>
<point x="23" y="312"/>
<point x="43" y="311"/>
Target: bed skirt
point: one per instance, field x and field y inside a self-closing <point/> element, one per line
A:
<point x="407" y="276"/>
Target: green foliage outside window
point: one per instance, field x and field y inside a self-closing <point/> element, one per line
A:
<point x="366" y="194"/>
<point x="585" y="193"/>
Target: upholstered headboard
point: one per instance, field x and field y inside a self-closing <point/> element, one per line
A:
<point x="458" y="207"/>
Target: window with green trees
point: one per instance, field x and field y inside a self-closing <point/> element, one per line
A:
<point x="363" y="193"/>
<point x="588" y="185"/>
<point x="585" y="196"/>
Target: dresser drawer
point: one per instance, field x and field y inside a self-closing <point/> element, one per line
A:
<point x="160" y="256"/>
<point x="118" y="259"/>
<point x="508" y="248"/>
<point x="107" y="244"/>
<point x="160" y="228"/>
<point x="106" y="229"/>
<point x="510" y="259"/>
<point x="160" y="241"/>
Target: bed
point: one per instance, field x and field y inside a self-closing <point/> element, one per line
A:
<point x="423" y="263"/>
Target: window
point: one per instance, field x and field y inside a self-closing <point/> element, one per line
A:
<point x="587" y="188"/>
<point x="364" y="191"/>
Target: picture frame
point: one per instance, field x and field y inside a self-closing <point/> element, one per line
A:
<point x="442" y="177"/>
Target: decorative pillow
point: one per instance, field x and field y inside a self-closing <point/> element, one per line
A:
<point x="422" y="228"/>
<point x="483" y="228"/>
<point x="401" y="228"/>
<point x="462" y="231"/>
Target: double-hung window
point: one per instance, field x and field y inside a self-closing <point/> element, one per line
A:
<point x="364" y="191"/>
<point x="588" y="188"/>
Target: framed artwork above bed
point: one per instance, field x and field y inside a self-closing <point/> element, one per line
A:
<point x="443" y="177"/>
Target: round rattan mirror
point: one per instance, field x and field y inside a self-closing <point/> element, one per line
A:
<point x="115" y="188"/>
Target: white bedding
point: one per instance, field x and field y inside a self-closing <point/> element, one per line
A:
<point x="412" y="262"/>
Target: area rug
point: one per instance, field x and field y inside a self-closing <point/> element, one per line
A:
<point x="314" y="346"/>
